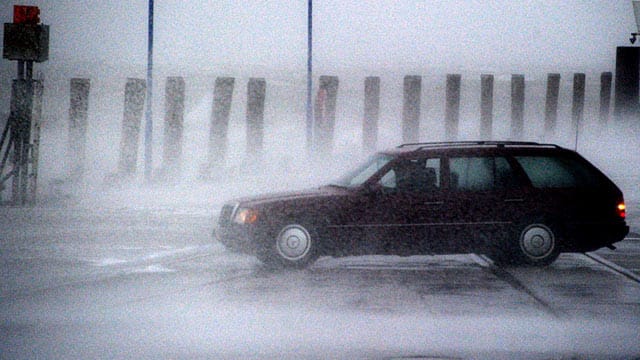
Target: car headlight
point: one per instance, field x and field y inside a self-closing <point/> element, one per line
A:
<point x="245" y="216"/>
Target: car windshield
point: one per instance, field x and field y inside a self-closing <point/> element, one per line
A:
<point x="363" y="172"/>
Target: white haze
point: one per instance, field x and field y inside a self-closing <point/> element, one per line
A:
<point x="312" y="328"/>
<point x="442" y="37"/>
<point x="284" y="164"/>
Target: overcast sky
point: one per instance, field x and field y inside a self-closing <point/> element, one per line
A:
<point x="470" y="35"/>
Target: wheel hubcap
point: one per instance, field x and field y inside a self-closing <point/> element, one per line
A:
<point x="537" y="241"/>
<point x="293" y="242"/>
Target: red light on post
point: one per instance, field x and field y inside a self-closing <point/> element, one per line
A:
<point x="26" y="14"/>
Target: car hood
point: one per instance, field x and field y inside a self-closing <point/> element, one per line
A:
<point x="322" y="192"/>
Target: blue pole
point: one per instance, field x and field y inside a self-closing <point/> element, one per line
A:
<point x="148" y="128"/>
<point x="309" y="77"/>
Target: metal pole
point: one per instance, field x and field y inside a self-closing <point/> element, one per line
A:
<point x="20" y="69"/>
<point x="148" y="128"/>
<point x="309" y="77"/>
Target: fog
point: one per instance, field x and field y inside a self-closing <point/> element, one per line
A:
<point x="203" y="35"/>
<point x="105" y="230"/>
<point x="200" y="40"/>
<point x="284" y="163"/>
<point x="296" y="318"/>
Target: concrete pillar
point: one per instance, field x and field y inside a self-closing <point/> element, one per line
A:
<point x="627" y="82"/>
<point x="256" y="92"/>
<point x="486" y="106"/>
<point x="551" y="103"/>
<point x="173" y="126"/>
<point x="78" y="112"/>
<point x="517" y="106"/>
<point x="371" y="113"/>
<point x="605" y="96"/>
<point x="411" y="108"/>
<point x="134" y="95"/>
<point x="222" y="96"/>
<point x="452" y="107"/>
<point x="577" y="107"/>
<point x="325" y="114"/>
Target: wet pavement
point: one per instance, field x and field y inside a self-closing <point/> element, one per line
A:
<point x="149" y="283"/>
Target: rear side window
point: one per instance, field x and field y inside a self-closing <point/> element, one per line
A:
<point x="481" y="174"/>
<point x="558" y="172"/>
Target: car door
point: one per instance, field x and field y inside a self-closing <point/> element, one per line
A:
<point x="399" y="215"/>
<point x="485" y="196"/>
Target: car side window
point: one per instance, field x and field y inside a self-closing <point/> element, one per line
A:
<point x="480" y="174"/>
<point x="471" y="173"/>
<point x="415" y="176"/>
<point x="557" y="172"/>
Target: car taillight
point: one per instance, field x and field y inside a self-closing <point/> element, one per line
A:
<point x="622" y="210"/>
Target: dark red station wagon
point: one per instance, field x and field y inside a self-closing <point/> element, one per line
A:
<point x="517" y="202"/>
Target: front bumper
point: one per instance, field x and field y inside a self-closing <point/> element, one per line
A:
<point x="236" y="237"/>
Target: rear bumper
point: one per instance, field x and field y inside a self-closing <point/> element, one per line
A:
<point x="593" y="236"/>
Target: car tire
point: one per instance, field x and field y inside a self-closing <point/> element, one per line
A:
<point x="294" y="244"/>
<point x="534" y="243"/>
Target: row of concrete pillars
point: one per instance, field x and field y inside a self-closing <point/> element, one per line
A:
<point x="324" y="115"/>
<point x="412" y="95"/>
<point x="626" y="106"/>
<point x="134" y="99"/>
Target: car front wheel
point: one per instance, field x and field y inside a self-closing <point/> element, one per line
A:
<point x="295" y="245"/>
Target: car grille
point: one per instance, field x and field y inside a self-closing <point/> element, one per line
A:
<point x="226" y="213"/>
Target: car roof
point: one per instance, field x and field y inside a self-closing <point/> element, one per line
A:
<point x="471" y="146"/>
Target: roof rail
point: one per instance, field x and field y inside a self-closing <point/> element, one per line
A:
<point x="479" y="142"/>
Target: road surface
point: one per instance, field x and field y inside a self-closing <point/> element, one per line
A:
<point x="146" y="281"/>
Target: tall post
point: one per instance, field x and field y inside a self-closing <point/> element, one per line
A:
<point x="309" y="124"/>
<point x="25" y="41"/>
<point x="256" y="92"/>
<point x="452" y="107"/>
<point x="222" y="96"/>
<point x="371" y="113"/>
<point x="148" y="127"/>
<point x="551" y="103"/>
<point x="626" y="84"/>
<point x="577" y="107"/>
<point x="517" y="106"/>
<point x="78" y="111"/>
<point x="173" y="127"/>
<point x="34" y="159"/>
<point x="134" y="95"/>
<point x="325" y="115"/>
<point x="20" y="118"/>
<point x="605" y="96"/>
<point x="486" y="106"/>
<point x="412" y="88"/>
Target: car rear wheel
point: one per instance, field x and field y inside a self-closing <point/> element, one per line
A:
<point x="295" y="245"/>
<point x="535" y="243"/>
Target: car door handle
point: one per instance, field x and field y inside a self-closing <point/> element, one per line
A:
<point x="513" y="200"/>
<point x="434" y="202"/>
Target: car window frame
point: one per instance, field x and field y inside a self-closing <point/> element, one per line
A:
<point x="373" y="182"/>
